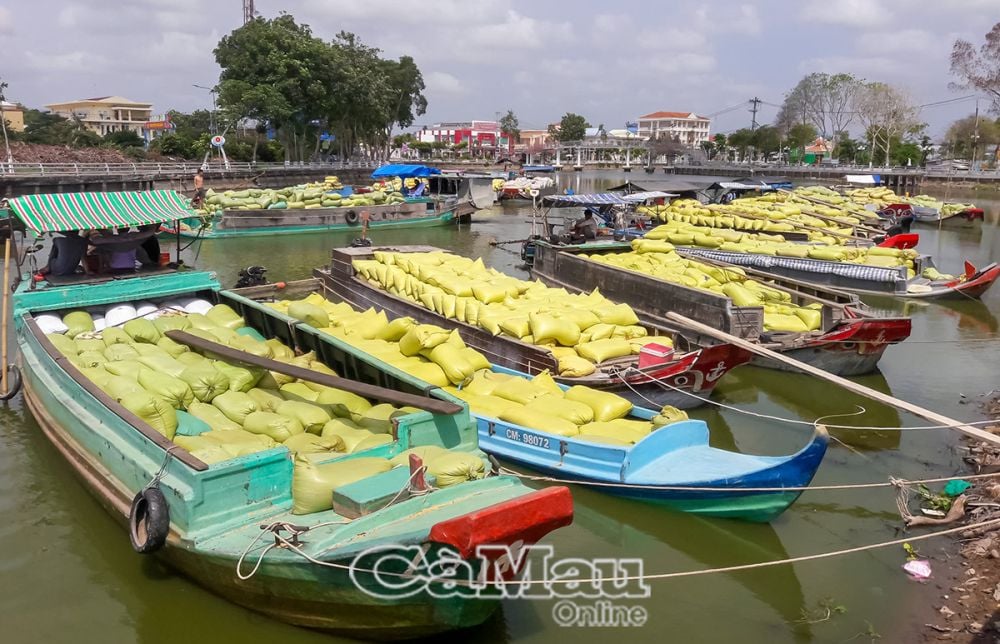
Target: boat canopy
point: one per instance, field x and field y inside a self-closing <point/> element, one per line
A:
<point x="94" y="210"/>
<point x="865" y="179"/>
<point x="596" y="199"/>
<point x="636" y="197"/>
<point x="404" y="171"/>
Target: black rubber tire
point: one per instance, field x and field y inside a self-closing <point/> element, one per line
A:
<point x="13" y="382"/>
<point x="351" y="216"/>
<point x="148" y="521"/>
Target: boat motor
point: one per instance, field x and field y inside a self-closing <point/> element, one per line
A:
<point x="251" y="276"/>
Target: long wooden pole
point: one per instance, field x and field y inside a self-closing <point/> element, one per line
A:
<point x="823" y="202"/>
<point x="3" y="324"/>
<point x="868" y="392"/>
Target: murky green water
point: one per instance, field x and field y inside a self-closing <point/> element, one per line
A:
<point x="67" y="572"/>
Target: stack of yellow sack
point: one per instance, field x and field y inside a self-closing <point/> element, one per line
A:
<point x="581" y="329"/>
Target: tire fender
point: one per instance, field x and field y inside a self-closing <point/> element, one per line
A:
<point x="148" y="521"/>
<point x="351" y="216"/>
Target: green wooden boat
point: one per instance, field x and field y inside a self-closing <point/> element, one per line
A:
<point x="233" y="513"/>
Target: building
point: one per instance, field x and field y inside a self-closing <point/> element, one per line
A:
<point x="106" y="114"/>
<point x="14" y="115"/>
<point x="480" y="137"/>
<point x="688" y="127"/>
<point x="820" y="149"/>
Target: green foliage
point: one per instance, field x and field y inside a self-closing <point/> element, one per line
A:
<point x="510" y="125"/>
<point x="801" y="135"/>
<point x="123" y="139"/>
<point x="962" y="134"/>
<point x="277" y="72"/>
<point x="572" y="127"/>
<point x="51" y="129"/>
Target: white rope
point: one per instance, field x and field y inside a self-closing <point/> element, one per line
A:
<point x="665" y="575"/>
<point x="892" y="482"/>
<point x="792" y="421"/>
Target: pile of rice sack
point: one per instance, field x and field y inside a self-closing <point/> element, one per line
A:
<point x="582" y="330"/>
<point x="218" y="410"/>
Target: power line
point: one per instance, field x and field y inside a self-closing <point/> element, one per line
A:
<point x="754" y="102"/>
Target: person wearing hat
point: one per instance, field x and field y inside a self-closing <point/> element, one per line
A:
<point x="584" y="229"/>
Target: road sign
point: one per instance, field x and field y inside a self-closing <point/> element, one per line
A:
<point x="218" y="140"/>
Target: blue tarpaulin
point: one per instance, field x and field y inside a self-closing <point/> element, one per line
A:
<point x="404" y="171"/>
<point x="599" y="199"/>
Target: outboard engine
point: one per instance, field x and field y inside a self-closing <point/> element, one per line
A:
<point x="361" y="242"/>
<point x="251" y="276"/>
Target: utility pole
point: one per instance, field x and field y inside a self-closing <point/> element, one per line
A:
<point x="753" y="110"/>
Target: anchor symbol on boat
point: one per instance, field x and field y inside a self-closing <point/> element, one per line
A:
<point x="717" y="371"/>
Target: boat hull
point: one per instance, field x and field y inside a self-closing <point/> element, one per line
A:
<point x="852" y="346"/>
<point x="320" y="220"/>
<point x="598" y="466"/>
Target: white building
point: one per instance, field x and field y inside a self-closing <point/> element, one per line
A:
<point x="688" y="127"/>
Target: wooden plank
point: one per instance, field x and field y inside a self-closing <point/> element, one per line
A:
<point x="868" y="392"/>
<point x="360" y="388"/>
<point x="821" y="202"/>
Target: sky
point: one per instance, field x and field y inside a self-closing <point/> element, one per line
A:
<point x="609" y="61"/>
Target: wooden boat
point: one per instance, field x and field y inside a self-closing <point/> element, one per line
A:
<point x="415" y="213"/>
<point x="850" y="342"/>
<point x="216" y="513"/>
<point x="716" y="482"/>
<point x="694" y="371"/>
<point x="861" y="278"/>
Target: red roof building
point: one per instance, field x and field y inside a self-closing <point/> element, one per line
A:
<point x="688" y="127"/>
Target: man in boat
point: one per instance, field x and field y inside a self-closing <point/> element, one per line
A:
<point x="584" y="229"/>
<point x="66" y="254"/>
<point x="199" y="188"/>
<point x="365" y="218"/>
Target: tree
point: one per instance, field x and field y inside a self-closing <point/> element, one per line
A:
<point x="887" y="113"/>
<point x="123" y="139"/>
<point x="979" y="70"/>
<point x="276" y="70"/>
<point x="824" y="100"/>
<point x="800" y="135"/>
<point x="721" y="145"/>
<point x="51" y="129"/>
<point x="510" y="125"/>
<point x="665" y="145"/>
<point x="961" y="136"/>
<point x="572" y="127"/>
<point x="708" y="147"/>
<point x="766" y="139"/>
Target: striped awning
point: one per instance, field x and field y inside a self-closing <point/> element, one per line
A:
<point x="93" y="210"/>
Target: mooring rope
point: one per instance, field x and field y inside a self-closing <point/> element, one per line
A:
<point x="285" y="543"/>
<point x="621" y="376"/>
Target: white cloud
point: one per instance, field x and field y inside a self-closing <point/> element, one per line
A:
<point x="6" y="21"/>
<point x="849" y="13"/>
<point x="869" y="67"/>
<point x="443" y="83"/>
<point x="68" y="17"/>
<point x="73" y="62"/>
<point x="440" y="12"/>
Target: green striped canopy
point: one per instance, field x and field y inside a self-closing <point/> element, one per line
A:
<point x="92" y="210"/>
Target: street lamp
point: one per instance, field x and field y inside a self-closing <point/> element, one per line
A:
<point x="211" y="115"/>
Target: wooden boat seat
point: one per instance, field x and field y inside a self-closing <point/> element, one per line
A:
<point x="371" y="494"/>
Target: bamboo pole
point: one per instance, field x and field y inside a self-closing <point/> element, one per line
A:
<point x="3" y="324"/>
<point x="868" y="392"/>
<point x="821" y="202"/>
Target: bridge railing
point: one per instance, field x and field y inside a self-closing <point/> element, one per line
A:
<point x="154" y="168"/>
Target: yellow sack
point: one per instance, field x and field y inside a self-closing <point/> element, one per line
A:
<point x="452" y="468"/>
<point x="602" y="350"/>
<point x="606" y="406"/>
<point x="452" y="361"/>
<point x="239" y="443"/>
<point x="811" y="318"/>
<point x="562" y="330"/>
<point x="173" y="390"/>
<point x="545" y="381"/>
<point x="311" y="444"/>
<point x="519" y="390"/>
<point x="310" y="417"/>
<point x="206" y="382"/>
<point x="235" y="405"/>
<point x="313" y="484"/>
<point x="157" y="413"/>
<point x="782" y="322"/>
<point x="669" y="414"/>
<point x="420" y="337"/>
<point x="346" y="431"/>
<point x="277" y="426"/>
<point x="516" y="326"/>
<point x="575" y="367"/>
<point x="396" y="329"/>
<point x="582" y="318"/>
<point x="740" y="295"/>
<point x="619" y="429"/>
<point x="540" y="421"/>
<point x="621" y="314"/>
<point x="577" y="413"/>
<point x="266" y="399"/>
<point x="211" y="416"/>
<point x="425" y="452"/>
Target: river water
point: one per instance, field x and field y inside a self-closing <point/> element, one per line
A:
<point x="68" y="573"/>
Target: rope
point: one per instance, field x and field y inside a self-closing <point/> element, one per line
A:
<point x="662" y="383"/>
<point x="666" y="575"/>
<point x="163" y="468"/>
<point x="892" y="482"/>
